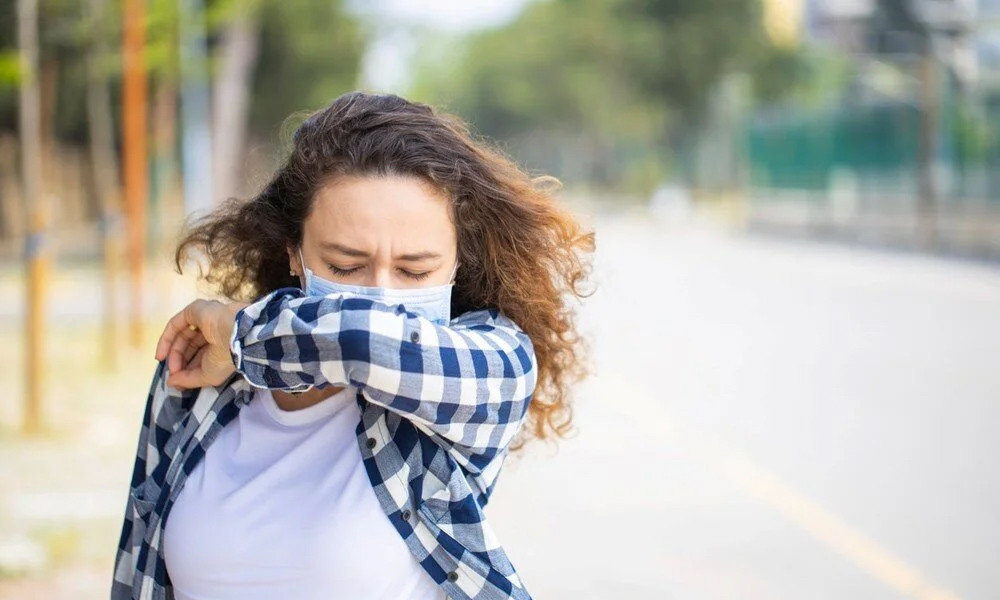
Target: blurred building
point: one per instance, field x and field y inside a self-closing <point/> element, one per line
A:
<point x="906" y="148"/>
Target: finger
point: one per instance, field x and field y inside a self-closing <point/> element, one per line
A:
<point x="192" y="376"/>
<point x="198" y="360"/>
<point x="174" y="327"/>
<point x="177" y="352"/>
<point x="196" y="344"/>
<point x="180" y="380"/>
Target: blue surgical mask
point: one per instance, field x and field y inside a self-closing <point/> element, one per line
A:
<point x="433" y="303"/>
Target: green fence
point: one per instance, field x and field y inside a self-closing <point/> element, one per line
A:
<point x="878" y="146"/>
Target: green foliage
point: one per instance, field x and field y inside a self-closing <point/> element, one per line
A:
<point x="162" y="36"/>
<point x="10" y="70"/>
<point x="976" y="135"/>
<point x="558" y="66"/>
<point x="9" y="64"/>
<point x="587" y="88"/>
<point x="804" y="77"/>
<point x="777" y="71"/>
<point x="677" y="50"/>
<point x="310" y="53"/>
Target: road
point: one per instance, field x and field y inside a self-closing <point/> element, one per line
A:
<point x="769" y="419"/>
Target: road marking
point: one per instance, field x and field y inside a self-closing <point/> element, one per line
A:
<point x="767" y="487"/>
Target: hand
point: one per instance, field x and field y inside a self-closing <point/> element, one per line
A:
<point x="195" y="343"/>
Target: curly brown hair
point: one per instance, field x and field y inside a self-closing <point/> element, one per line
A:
<point x="520" y="250"/>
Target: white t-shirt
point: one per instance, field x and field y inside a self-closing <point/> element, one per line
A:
<point x="281" y="507"/>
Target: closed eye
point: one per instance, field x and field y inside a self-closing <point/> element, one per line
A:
<point x="417" y="276"/>
<point x="346" y="272"/>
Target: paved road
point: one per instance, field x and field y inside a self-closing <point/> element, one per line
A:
<point x="770" y="419"/>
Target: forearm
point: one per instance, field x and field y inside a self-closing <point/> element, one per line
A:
<point x="465" y="381"/>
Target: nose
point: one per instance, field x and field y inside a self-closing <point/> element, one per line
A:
<point x="381" y="277"/>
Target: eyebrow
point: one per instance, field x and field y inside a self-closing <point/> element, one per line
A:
<point x="362" y="254"/>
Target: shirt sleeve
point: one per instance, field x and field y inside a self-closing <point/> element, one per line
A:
<point x="469" y="382"/>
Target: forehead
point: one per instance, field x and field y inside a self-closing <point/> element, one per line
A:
<point x="405" y="212"/>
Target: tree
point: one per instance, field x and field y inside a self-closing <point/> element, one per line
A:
<point x="588" y="88"/>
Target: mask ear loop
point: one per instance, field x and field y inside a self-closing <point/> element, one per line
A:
<point x="302" y="262"/>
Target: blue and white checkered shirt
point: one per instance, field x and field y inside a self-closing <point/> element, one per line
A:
<point x="440" y="405"/>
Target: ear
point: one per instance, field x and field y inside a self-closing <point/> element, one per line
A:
<point x="294" y="264"/>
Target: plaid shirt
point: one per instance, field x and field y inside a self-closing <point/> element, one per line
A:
<point x="439" y="407"/>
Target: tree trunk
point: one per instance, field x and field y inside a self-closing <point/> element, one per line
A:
<point x="238" y="49"/>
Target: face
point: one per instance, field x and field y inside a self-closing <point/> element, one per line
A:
<point x="392" y="232"/>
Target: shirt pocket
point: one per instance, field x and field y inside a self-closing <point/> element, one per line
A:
<point x="143" y="498"/>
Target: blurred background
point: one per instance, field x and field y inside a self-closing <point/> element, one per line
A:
<point x="796" y="323"/>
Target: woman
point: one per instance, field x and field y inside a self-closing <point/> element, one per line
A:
<point x="340" y="436"/>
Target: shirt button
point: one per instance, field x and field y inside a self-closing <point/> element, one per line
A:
<point x="453" y="576"/>
<point x="406" y="515"/>
<point x="370" y="443"/>
<point x="415" y="337"/>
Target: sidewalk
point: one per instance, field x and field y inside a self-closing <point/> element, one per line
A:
<point x="63" y="492"/>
